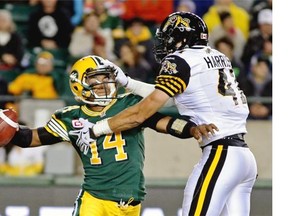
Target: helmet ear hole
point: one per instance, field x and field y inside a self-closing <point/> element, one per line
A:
<point x="89" y="69"/>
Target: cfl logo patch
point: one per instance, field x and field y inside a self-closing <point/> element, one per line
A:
<point x="77" y="124"/>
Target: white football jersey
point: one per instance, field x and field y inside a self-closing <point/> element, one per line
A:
<point x="205" y="89"/>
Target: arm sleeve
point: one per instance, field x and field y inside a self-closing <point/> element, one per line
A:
<point x="152" y="121"/>
<point x="178" y="127"/>
<point x="23" y="137"/>
<point x="139" y="88"/>
<point x="144" y="89"/>
<point x="47" y="138"/>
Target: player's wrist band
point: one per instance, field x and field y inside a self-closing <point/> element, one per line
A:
<point x="101" y="127"/>
<point x="22" y="137"/>
<point x="180" y="128"/>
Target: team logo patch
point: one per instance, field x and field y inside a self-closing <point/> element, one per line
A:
<point x="74" y="76"/>
<point x="82" y="134"/>
<point x="176" y="20"/>
<point x="168" y="68"/>
<point x="77" y="124"/>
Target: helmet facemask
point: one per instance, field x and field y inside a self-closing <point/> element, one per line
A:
<point x="168" y="43"/>
<point x="160" y="45"/>
<point x="92" y="85"/>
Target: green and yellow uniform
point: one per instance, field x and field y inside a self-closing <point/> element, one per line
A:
<point x="113" y="164"/>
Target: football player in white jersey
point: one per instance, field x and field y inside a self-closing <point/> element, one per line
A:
<point x="202" y="84"/>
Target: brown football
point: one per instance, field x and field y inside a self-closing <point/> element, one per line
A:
<point x="8" y="125"/>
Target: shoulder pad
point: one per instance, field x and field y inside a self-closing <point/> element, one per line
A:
<point x="66" y="109"/>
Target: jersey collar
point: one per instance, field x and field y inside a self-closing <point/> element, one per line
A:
<point x="90" y="112"/>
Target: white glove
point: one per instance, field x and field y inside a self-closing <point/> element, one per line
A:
<point x="120" y="76"/>
<point x="83" y="132"/>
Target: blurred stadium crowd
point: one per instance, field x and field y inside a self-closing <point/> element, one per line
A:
<point x="39" y="40"/>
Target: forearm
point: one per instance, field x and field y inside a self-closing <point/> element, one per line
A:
<point x="23" y="137"/>
<point x="125" y="120"/>
<point x="132" y="116"/>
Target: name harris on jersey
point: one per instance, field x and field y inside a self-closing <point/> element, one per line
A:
<point x="217" y="61"/>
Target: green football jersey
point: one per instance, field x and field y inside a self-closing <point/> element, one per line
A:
<point x="113" y="163"/>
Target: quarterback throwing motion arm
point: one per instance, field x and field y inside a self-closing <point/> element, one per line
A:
<point x="27" y="137"/>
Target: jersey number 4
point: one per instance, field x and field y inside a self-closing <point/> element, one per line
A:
<point x="118" y="142"/>
<point x="226" y="88"/>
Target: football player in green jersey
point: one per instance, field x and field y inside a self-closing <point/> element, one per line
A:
<point x="113" y="164"/>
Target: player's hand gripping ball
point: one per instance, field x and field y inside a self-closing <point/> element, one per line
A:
<point x="8" y="125"/>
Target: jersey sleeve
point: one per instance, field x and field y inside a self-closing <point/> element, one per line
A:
<point x="57" y="127"/>
<point x="174" y="75"/>
<point x="152" y="121"/>
<point x="47" y="138"/>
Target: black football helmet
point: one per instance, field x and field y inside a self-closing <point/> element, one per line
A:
<point x="184" y="27"/>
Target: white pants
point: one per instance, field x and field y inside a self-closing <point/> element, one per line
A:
<point x="221" y="183"/>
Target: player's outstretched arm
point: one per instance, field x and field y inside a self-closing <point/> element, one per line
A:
<point x="182" y="128"/>
<point x="26" y="137"/>
<point x="13" y="133"/>
<point x="132" y="116"/>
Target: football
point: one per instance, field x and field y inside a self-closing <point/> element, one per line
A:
<point x="8" y="125"/>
